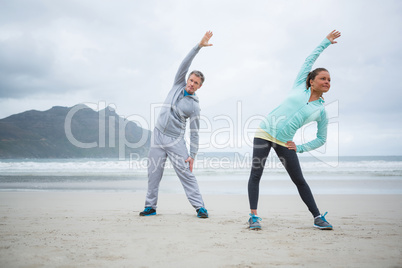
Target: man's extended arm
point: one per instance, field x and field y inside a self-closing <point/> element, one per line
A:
<point x="185" y="65"/>
<point x="194" y="122"/>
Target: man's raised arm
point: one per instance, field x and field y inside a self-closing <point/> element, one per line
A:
<point x="185" y="65"/>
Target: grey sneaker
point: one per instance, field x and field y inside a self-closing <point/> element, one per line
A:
<point x="321" y="223"/>
<point x="254" y="222"/>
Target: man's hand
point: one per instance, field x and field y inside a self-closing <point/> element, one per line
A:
<point x="333" y="35"/>
<point x="204" y="41"/>
<point x="291" y="146"/>
<point x="191" y="162"/>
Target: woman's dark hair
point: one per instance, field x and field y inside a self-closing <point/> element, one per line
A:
<point x="313" y="74"/>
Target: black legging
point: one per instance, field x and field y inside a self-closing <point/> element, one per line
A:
<point x="291" y="163"/>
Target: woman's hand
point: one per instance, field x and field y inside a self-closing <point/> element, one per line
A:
<point x="204" y="41"/>
<point x="333" y="35"/>
<point x="291" y="146"/>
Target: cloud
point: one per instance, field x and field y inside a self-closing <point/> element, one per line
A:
<point x="125" y="53"/>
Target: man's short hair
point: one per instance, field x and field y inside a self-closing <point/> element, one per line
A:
<point x="198" y="74"/>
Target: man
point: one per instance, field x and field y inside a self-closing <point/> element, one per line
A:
<point x="168" y="136"/>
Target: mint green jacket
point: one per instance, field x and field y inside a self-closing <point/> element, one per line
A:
<point x="296" y="110"/>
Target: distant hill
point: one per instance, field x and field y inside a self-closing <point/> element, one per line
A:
<point x="71" y="132"/>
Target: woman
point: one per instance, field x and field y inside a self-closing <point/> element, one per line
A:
<point x="303" y="105"/>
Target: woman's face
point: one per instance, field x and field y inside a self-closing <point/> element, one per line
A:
<point x="321" y="83"/>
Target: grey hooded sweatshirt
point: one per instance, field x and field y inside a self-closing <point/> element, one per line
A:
<point x="177" y="108"/>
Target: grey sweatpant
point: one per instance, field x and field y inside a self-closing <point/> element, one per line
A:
<point x="163" y="146"/>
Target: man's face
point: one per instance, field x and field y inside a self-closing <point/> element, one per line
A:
<point x="193" y="83"/>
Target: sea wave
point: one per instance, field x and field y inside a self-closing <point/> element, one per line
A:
<point x="212" y="166"/>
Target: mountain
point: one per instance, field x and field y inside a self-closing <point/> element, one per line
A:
<point x="71" y="132"/>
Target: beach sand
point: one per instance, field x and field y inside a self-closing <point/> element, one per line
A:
<point x="102" y="229"/>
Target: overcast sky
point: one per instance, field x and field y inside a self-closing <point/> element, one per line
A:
<point x="125" y="54"/>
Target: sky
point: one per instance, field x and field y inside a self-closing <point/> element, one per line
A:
<point x="125" y="53"/>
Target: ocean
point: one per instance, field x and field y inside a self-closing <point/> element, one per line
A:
<point x="217" y="173"/>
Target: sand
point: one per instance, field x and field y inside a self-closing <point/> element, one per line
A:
<point x="101" y="229"/>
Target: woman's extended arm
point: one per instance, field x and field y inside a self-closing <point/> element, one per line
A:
<point x="308" y="63"/>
